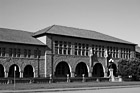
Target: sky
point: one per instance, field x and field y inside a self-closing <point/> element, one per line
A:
<point x="117" y="18"/>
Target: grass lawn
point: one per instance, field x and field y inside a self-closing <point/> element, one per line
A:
<point x="24" y="86"/>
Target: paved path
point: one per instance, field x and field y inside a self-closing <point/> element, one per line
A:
<point x="75" y="90"/>
<point x="117" y="90"/>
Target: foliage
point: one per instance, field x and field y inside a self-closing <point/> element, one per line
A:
<point x="129" y="67"/>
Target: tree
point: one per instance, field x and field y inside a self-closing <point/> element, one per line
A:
<point x="128" y="68"/>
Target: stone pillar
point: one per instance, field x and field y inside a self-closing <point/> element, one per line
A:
<point x="89" y="74"/>
<point x="105" y="74"/>
<point x="35" y="74"/>
<point x="5" y="74"/>
<point x="106" y="65"/>
<point x="21" y="74"/>
<point x="72" y="74"/>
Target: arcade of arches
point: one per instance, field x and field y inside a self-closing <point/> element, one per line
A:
<point x="63" y="68"/>
<point x="14" y="69"/>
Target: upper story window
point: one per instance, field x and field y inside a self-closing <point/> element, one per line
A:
<point x="29" y="53"/>
<point x="113" y="51"/>
<point x="3" y="51"/>
<point x="10" y="52"/>
<point x="37" y="53"/>
<point x="63" y="47"/>
<point x="14" y="52"/>
<point x="125" y="53"/>
<point x="81" y="49"/>
<point x="18" y="52"/>
<point x="98" y="50"/>
<point x="0" y="51"/>
<point x="25" y="52"/>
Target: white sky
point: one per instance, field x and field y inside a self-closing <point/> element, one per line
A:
<point x="118" y="18"/>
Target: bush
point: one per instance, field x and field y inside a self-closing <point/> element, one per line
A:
<point x="129" y="68"/>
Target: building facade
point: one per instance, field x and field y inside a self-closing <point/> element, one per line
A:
<point x="61" y="51"/>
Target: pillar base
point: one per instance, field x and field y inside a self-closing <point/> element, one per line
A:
<point x="89" y="74"/>
<point x="72" y="74"/>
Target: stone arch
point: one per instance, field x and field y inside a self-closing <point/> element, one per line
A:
<point x="2" y="70"/>
<point x="114" y="67"/>
<point x="62" y="69"/>
<point x="81" y="68"/>
<point x="12" y="69"/>
<point x="28" y="71"/>
<point x="98" y="70"/>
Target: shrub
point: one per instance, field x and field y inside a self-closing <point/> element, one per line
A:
<point x="128" y="68"/>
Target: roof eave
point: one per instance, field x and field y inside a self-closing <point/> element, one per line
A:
<point x="92" y="39"/>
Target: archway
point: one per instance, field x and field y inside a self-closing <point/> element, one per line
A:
<point x="81" y="68"/>
<point x="98" y="70"/>
<point x="12" y="69"/>
<point x="1" y="71"/>
<point x="114" y="67"/>
<point x="28" y="71"/>
<point x="62" y="69"/>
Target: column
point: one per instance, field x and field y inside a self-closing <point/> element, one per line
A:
<point x="35" y="74"/>
<point x="89" y="74"/>
<point x="6" y="74"/>
<point x="21" y="74"/>
<point x="72" y="74"/>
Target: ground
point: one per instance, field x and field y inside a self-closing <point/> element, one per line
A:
<point x="27" y="86"/>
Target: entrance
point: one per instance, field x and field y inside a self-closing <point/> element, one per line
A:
<point x="62" y="69"/>
<point x="1" y="71"/>
<point x="81" y="69"/>
<point x="98" y="70"/>
<point x="28" y="71"/>
<point x="12" y="69"/>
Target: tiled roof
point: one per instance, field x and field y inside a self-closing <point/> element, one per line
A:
<point x="81" y="33"/>
<point x="18" y="36"/>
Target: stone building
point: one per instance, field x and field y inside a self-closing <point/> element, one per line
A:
<point x="18" y="48"/>
<point x="60" y="51"/>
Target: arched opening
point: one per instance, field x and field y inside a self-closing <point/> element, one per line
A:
<point x="28" y="71"/>
<point x="62" y="69"/>
<point x="81" y="69"/>
<point x="114" y="67"/>
<point x="1" y="71"/>
<point x="98" y="70"/>
<point x="12" y="69"/>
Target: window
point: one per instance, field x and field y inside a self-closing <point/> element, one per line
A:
<point x="87" y="46"/>
<point x="117" y="52"/>
<point x="10" y="52"/>
<point x="18" y="52"/>
<point x="79" y="49"/>
<point x="25" y="52"/>
<point x="35" y="53"/>
<point x="0" y="51"/>
<point x="14" y="52"/>
<point x="69" y="48"/>
<point x="3" y="51"/>
<point x="102" y="51"/>
<point x="65" y="48"/>
<point x="83" y="49"/>
<point x="29" y="53"/>
<point x="76" y="49"/>
<point x="60" y="47"/>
